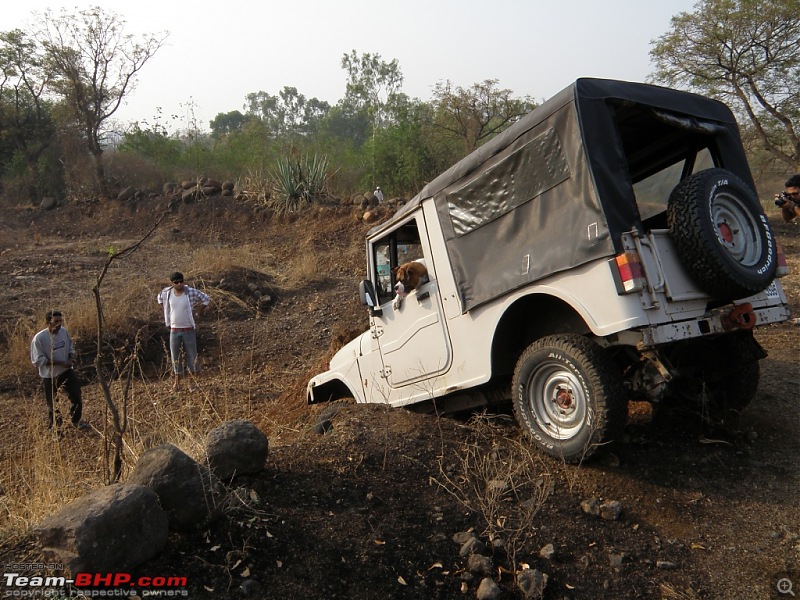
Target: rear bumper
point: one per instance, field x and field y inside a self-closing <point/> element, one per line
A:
<point x="712" y="323"/>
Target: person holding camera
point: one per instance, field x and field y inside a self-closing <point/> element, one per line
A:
<point x="789" y="200"/>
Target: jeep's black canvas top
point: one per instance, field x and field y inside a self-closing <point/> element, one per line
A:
<point x="555" y="190"/>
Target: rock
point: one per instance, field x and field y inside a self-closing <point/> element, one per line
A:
<point x="666" y="565"/>
<point x="482" y="565"/>
<point x="548" y="551"/>
<point x="184" y="487"/>
<point x="462" y="536"/>
<point x="227" y="186"/>
<point x="113" y="528"/>
<point x="370" y="216"/>
<point x="532" y="583"/>
<point x="591" y="506"/>
<point x="472" y="546"/>
<point x="489" y="590"/>
<point x="236" y="448"/>
<point x="48" y="203"/>
<point x="127" y="193"/>
<point x="190" y="195"/>
<point x="611" y="510"/>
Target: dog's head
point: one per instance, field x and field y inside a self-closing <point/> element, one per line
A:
<point x="409" y="275"/>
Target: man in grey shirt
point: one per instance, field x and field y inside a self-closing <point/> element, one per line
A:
<point x="54" y="355"/>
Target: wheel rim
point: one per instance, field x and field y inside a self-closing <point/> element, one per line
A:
<point x="557" y="401"/>
<point x="736" y="229"/>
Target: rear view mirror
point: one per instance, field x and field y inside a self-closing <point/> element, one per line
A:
<point x="368" y="296"/>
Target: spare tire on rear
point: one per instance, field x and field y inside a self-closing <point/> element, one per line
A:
<point x="722" y="235"/>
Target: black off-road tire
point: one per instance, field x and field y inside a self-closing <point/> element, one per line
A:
<point x="568" y="397"/>
<point x="719" y="377"/>
<point x="325" y="418"/>
<point x="722" y="235"/>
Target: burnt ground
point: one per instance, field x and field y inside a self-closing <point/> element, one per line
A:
<point x="369" y="510"/>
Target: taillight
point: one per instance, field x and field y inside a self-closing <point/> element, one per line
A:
<point x="783" y="268"/>
<point x="628" y="272"/>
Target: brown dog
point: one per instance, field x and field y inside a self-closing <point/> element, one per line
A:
<point x="408" y="277"/>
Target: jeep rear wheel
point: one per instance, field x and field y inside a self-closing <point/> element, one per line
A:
<point x="568" y="397"/>
<point x="718" y="377"/>
<point x="721" y="234"/>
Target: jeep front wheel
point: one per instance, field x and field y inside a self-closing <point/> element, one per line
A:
<point x="568" y="397"/>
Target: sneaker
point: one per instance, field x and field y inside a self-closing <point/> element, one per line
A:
<point x="81" y="426"/>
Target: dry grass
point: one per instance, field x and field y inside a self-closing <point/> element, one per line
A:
<point x="502" y="479"/>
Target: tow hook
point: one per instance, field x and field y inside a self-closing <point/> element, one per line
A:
<point x="741" y="317"/>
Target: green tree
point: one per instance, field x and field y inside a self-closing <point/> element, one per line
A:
<point x="289" y="115"/>
<point x="745" y="53"/>
<point x="373" y="85"/>
<point x="227" y="123"/>
<point x="94" y="66"/>
<point x="27" y="127"/>
<point x="476" y="114"/>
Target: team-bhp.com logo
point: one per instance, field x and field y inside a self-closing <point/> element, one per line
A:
<point x="92" y="585"/>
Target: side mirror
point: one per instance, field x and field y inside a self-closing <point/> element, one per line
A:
<point x="369" y="297"/>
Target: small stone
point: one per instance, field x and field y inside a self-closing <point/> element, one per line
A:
<point x="489" y="590"/>
<point x="666" y="565"/>
<point x="482" y="565"/>
<point x="548" y="551"/>
<point x="472" y="546"/>
<point x="591" y="506"/>
<point x="462" y="536"/>
<point x="532" y="583"/>
<point x="611" y="510"/>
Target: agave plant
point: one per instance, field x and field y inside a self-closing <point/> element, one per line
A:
<point x="298" y="182"/>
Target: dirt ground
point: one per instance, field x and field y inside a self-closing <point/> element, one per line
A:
<point x="369" y="510"/>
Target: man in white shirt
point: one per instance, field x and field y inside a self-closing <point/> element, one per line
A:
<point x="178" y="301"/>
<point x="53" y="354"/>
<point x="379" y="195"/>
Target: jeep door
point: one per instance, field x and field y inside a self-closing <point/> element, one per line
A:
<point x="413" y="340"/>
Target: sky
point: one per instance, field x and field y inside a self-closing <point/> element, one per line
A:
<point x="219" y="52"/>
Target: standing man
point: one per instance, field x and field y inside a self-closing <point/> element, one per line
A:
<point x="379" y="195"/>
<point x="54" y="355"/>
<point x="789" y="201"/>
<point x="178" y="301"/>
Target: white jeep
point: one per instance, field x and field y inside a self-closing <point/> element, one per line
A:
<point x="608" y="246"/>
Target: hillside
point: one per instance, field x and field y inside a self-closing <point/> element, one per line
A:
<point x="369" y="510"/>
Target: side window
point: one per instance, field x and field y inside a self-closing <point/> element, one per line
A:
<point x="400" y="246"/>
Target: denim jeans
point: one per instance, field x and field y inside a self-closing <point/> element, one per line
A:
<point x="187" y="339"/>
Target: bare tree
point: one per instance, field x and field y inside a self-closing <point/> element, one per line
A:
<point x="746" y="54"/>
<point x="118" y="409"/>
<point x="476" y="114"/>
<point x="94" y="65"/>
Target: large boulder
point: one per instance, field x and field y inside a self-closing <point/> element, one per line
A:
<point x="186" y="489"/>
<point x="236" y="448"/>
<point x="113" y="528"/>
